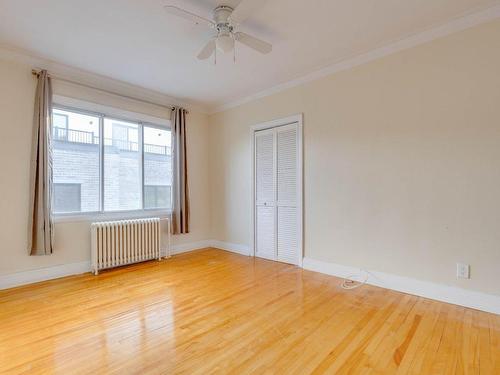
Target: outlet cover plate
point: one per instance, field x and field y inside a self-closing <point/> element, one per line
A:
<point x="463" y="271"/>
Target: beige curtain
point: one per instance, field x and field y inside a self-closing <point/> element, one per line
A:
<point x="180" y="190"/>
<point x="41" y="227"/>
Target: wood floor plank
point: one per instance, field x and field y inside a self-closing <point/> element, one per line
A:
<point x="214" y="312"/>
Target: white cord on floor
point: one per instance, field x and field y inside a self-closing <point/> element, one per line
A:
<point x="350" y="283"/>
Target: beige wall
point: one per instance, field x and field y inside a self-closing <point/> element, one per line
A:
<point x="402" y="162"/>
<point x="72" y="239"/>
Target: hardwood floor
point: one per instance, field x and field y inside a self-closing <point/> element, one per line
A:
<point x="212" y="311"/>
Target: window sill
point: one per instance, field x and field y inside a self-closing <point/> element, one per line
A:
<point x="108" y="216"/>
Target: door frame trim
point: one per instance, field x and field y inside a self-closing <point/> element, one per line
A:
<point x="299" y="119"/>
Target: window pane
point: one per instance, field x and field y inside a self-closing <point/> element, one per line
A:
<point x="157" y="168"/>
<point x="67" y="197"/>
<point x="122" y="161"/>
<point x="60" y="120"/>
<point x="75" y="162"/>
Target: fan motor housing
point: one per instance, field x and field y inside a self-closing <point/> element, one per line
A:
<point x="221" y="15"/>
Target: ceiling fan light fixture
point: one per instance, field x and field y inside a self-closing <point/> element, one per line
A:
<point x="225" y="42"/>
<point x="225" y="22"/>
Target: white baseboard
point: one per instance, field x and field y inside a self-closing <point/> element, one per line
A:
<point x="187" y="247"/>
<point x="232" y="247"/>
<point x="43" y="274"/>
<point x="55" y="272"/>
<point x="221" y="245"/>
<point x="450" y="294"/>
<point x="439" y="292"/>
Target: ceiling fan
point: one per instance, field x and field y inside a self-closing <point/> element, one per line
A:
<point x="225" y="21"/>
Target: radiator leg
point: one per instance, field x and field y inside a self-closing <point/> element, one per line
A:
<point x="169" y="243"/>
<point x="158" y="240"/>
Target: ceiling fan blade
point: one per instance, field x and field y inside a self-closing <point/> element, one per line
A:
<point x="254" y="43"/>
<point x="245" y="9"/>
<point x="198" y="20"/>
<point x="207" y="51"/>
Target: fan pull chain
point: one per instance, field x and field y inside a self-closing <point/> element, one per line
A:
<point x="215" y="56"/>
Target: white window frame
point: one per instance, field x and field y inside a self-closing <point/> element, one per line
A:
<point x="119" y="115"/>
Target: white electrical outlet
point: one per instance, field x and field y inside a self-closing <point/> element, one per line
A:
<point x="463" y="271"/>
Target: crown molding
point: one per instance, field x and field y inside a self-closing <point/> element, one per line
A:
<point x="15" y="54"/>
<point x="454" y="26"/>
<point x="100" y="82"/>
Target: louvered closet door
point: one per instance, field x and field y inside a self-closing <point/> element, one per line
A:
<point x="276" y="194"/>
<point x="286" y="202"/>
<point x="265" y="202"/>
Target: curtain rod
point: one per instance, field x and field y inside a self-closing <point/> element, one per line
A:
<point x="37" y="73"/>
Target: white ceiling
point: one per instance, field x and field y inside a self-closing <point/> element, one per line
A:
<point x="137" y="42"/>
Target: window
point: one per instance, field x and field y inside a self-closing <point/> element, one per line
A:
<point x="60" y="120"/>
<point x="76" y="161"/>
<point x="156" y="196"/>
<point x="157" y="168"/>
<point x="103" y="164"/>
<point x="122" y="166"/>
<point x="68" y="197"/>
<point x="60" y="124"/>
